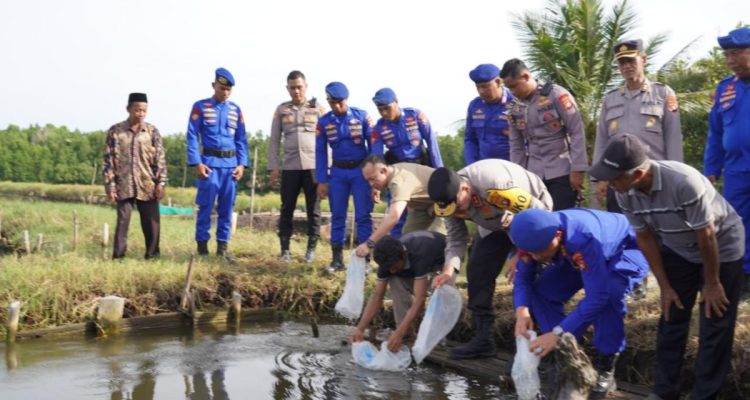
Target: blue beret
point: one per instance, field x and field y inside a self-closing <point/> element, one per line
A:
<point x="533" y="229"/>
<point x="736" y="39"/>
<point x="337" y="91"/>
<point x="224" y="77"/>
<point x="384" y="96"/>
<point x="484" y="73"/>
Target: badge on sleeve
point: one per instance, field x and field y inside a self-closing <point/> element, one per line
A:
<point x="578" y="262"/>
<point x="195" y="114"/>
<point x="566" y="101"/>
<point x="672" y="103"/>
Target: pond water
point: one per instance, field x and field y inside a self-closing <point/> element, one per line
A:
<point x="270" y="361"/>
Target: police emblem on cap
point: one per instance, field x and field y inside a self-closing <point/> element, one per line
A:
<point x="223" y="80"/>
<point x="443" y="209"/>
<point x="623" y="48"/>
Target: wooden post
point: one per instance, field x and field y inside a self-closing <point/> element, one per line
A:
<point x="26" y="243"/>
<point x="252" y="189"/>
<point x="39" y="242"/>
<point x="236" y="305"/>
<point x="109" y="314"/>
<point x="75" y="230"/>
<point x="193" y="295"/>
<point x="14" y="311"/>
<point x="11" y="360"/>
<point x="105" y="235"/>
<point x="188" y="279"/>
<point x="233" y="229"/>
<point x="169" y="201"/>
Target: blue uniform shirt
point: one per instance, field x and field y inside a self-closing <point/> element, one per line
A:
<point x="728" y="144"/>
<point x="348" y="135"/>
<point x="487" y="129"/>
<point x="404" y="137"/>
<point x="219" y="126"/>
<point x="590" y="239"/>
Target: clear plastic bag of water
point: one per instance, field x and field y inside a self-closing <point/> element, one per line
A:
<point x="441" y="315"/>
<point x="368" y="356"/>
<point x="525" y="371"/>
<point x="352" y="300"/>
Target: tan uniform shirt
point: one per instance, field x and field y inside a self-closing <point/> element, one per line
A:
<point x="651" y="114"/>
<point x="134" y="162"/>
<point x="482" y="176"/>
<point x="297" y="124"/>
<point x="409" y="183"/>
<point x="546" y="134"/>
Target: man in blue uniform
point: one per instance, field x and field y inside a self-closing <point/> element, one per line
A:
<point x="563" y="252"/>
<point x="728" y="145"/>
<point x="407" y="134"/>
<point x="219" y="160"/>
<point x="487" y="129"/>
<point x="347" y="130"/>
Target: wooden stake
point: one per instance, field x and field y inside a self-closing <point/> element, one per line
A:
<point x="236" y="305"/>
<point x="169" y="201"/>
<point x="105" y="235"/>
<point x="233" y="230"/>
<point x="39" y="242"/>
<point x="26" y="242"/>
<point x="75" y="230"/>
<point x="252" y="189"/>
<point x="109" y="314"/>
<point x="188" y="279"/>
<point x="14" y="311"/>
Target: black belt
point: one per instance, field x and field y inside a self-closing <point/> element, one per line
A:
<point x="219" y="153"/>
<point x="347" y="164"/>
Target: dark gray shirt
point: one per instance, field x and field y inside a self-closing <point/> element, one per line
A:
<point x="424" y="253"/>
<point x="682" y="201"/>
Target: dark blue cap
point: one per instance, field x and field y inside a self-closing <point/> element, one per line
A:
<point x="384" y="97"/>
<point x="224" y="77"/>
<point x="484" y="73"/>
<point x="533" y="229"/>
<point x="337" y="91"/>
<point x="736" y="39"/>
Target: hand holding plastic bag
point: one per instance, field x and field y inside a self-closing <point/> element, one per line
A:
<point x="525" y="374"/>
<point x="352" y="300"/>
<point x="368" y="356"/>
<point x="441" y="315"/>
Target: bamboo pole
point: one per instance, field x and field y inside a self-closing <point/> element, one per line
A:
<point x="105" y="235"/>
<point x="233" y="228"/>
<point x="39" y="242"/>
<point x="26" y="242"/>
<point x="188" y="279"/>
<point x="75" y="230"/>
<point x="252" y="188"/>
<point x="109" y="314"/>
<point x="14" y="312"/>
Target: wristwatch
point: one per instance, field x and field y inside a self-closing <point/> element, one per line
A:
<point x="558" y="330"/>
<point x="370" y="243"/>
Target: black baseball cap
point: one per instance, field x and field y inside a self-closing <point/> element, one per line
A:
<point x="443" y="188"/>
<point x="624" y="152"/>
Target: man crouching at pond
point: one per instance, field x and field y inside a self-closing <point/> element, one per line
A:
<point x="135" y="174"/>
<point x="404" y="265"/>
<point x="563" y="252"/>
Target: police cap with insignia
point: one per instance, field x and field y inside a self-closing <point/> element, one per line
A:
<point x="484" y="73"/>
<point x="533" y="229"/>
<point x="736" y="39"/>
<point x="224" y="77"/>
<point x="443" y="189"/>
<point x="137" y="98"/>
<point x="384" y="97"/>
<point x="628" y="49"/>
<point x="623" y="153"/>
<point x="337" y="91"/>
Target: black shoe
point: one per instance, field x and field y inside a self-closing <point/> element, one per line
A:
<point x="337" y="264"/>
<point x="483" y="342"/>
<point x="202" y="248"/>
<point x="605" y="383"/>
<point x="221" y="251"/>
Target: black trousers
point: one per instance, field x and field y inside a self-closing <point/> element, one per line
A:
<point x="292" y="181"/>
<point x="486" y="260"/>
<point x="150" y="222"/>
<point x="563" y="195"/>
<point x="715" y="336"/>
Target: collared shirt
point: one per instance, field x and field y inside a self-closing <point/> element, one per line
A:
<point x="296" y="124"/>
<point x="486" y="134"/>
<point x="218" y="126"/>
<point x="591" y="240"/>
<point x="404" y="137"/>
<point x="408" y="183"/>
<point x="680" y="202"/>
<point x="424" y="254"/>
<point x="650" y="113"/>
<point x="482" y="176"/>
<point x="546" y="134"/>
<point x="348" y="135"/>
<point x="728" y="144"/>
<point x="134" y="162"/>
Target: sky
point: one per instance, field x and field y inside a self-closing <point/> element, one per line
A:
<point x="74" y="62"/>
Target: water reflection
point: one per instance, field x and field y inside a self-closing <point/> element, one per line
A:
<point x="258" y="362"/>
